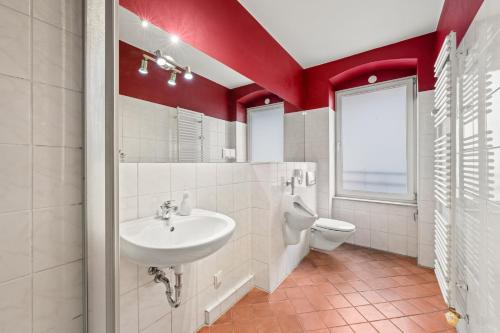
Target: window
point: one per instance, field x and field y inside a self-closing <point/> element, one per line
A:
<point x="265" y="128"/>
<point x="375" y="142"/>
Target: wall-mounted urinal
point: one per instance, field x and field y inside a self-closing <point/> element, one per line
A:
<point x="298" y="217"/>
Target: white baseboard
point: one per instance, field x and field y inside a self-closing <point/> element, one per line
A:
<point x="224" y="303"/>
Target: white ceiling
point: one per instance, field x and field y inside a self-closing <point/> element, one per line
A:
<point x="319" y="31"/>
<point x="153" y="38"/>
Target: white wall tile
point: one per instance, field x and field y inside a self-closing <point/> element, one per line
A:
<point x="153" y="304"/>
<point x="398" y="244"/>
<point x="57" y="298"/>
<point x="224" y="173"/>
<point x="206" y="174"/>
<point x="57" y="116"/>
<point x="15" y="245"/>
<point x="183" y="176"/>
<point x="128" y="179"/>
<point x="57" y="176"/>
<point x="206" y="198"/>
<point x="22" y="6"/>
<point x="57" y="57"/>
<point x="128" y="208"/>
<point x="225" y="199"/>
<point x="129" y="319"/>
<point x="15" y="302"/>
<point x="15" y="178"/>
<point x="128" y="275"/>
<point x="184" y="317"/>
<point x="15" y="43"/>
<point x="57" y="236"/>
<point x="163" y="325"/>
<point x="153" y="178"/>
<point x="66" y="14"/>
<point x="15" y="106"/>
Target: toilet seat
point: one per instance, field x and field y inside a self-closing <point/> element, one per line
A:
<point x="335" y="225"/>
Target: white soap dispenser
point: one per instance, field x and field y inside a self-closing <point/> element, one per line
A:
<point x="185" y="206"/>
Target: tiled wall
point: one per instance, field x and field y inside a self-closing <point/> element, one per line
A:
<point x="272" y="259"/>
<point x="222" y="187"/>
<point x="41" y="168"/>
<point x="148" y="133"/>
<point x="249" y="193"/>
<point x="425" y="179"/>
<point x="309" y="137"/>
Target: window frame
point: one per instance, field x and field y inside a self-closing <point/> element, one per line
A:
<point x="411" y="142"/>
<point x="252" y="110"/>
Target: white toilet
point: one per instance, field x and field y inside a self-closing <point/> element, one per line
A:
<point x="328" y="234"/>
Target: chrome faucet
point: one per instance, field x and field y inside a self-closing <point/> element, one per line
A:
<point x="167" y="209"/>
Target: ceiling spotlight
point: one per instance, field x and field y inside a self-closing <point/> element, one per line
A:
<point x="174" y="39"/>
<point x="144" y="23"/>
<point x="187" y="74"/>
<point x="144" y="67"/>
<point x="171" y="81"/>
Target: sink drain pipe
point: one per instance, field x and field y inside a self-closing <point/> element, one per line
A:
<point x="174" y="298"/>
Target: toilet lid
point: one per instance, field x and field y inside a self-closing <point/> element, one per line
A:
<point x="334" y="225"/>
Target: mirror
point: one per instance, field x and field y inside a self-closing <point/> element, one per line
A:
<point x="177" y="104"/>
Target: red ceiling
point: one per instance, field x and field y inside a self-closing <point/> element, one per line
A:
<point x="224" y="30"/>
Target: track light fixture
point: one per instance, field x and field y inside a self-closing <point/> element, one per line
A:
<point x="167" y="63"/>
<point x="144" y="66"/>
<point x="187" y="74"/>
<point x="172" y="79"/>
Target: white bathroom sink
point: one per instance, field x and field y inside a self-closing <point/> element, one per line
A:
<point x="156" y="242"/>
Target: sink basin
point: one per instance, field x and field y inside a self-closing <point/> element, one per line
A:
<point x="153" y="241"/>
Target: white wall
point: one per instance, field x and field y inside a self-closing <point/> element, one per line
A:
<point x="272" y="260"/>
<point x="148" y="133"/>
<point x="41" y="168"/>
<point x="250" y="194"/>
<point x="221" y="187"/>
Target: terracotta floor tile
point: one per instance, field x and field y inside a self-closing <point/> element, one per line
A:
<point x="356" y="299"/>
<point x="282" y="308"/>
<point x="343" y="329"/>
<point x="301" y="305"/>
<point x="262" y="310"/>
<point x="222" y="328"/>
<point x="242" y="313"/>
<point x="344" y="288"/>
<point x="331" y="318"/>
<point x="431" y="322"/>
<point x="294" y="293"/>
<point x="338" y="301"/>
<point x="278" y="295"/>
<point x="363" y="328"/>
<point x="373" y="297"/>
<point x="317" y="297"/>
<point x="407" y="308"/>
<point x="204" y="329"/>
<point x="289" y="324"/>
<point x="310" y="321"/>
<point x="370" y="312"/>
<point x="388" y="310"/>
<point x="244" y="327"/>
<point x="267" y="325"/>
<point x="385" y="326"/>
<point x="326" y="288"/>
<point x="351" y="315"/>
<point x="407" y="325"/>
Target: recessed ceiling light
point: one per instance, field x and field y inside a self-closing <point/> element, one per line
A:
<point x="174" y="39"/>
<point x="372" y="79"/>
<point x="144" y="67"/>
<point x="187" y="74"/>
<point x="144" y="23"/>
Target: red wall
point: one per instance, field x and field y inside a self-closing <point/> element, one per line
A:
<point x="457" y="15"/>
<point x="198" y="94"/>
<point x="224" y="30"/>
<point x="397" y="60"/>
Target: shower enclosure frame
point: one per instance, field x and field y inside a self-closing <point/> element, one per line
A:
<point x="101" y="255"/>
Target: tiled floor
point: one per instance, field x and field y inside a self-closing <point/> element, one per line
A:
<point x="352" y="289"/>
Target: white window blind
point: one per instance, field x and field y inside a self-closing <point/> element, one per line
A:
<point x="266" y="133"/>
<point x="190" y="135"/>
<point x="375" y="141"/>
